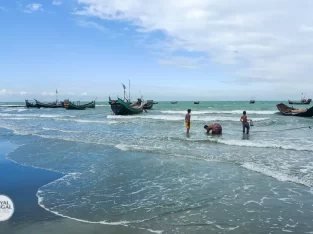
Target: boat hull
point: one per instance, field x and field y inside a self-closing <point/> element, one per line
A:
<point x="148" y="105"/>
<point x="49" y="105"/>
<point x="300" y="103"/>
<point x="31" y="105"/>
<point x="290" y="111"/>
<point x="122" y="108"/>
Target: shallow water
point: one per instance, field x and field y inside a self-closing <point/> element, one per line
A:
<point x="143" y="171"/>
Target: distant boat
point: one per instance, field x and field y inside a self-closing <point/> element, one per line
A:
<point x="125" y="108"/>
<point x="55" y="104"/>
<point x="72" y="106"/>
<point x="196" y="102"/>
<point x="39" y="104"/>
<point x="31" y="104"/>
<point x="175" y="102"/>
<point x="302" y="101"/>
<point x="252" y="101"/>
<point x="148" y="105"/>
<point x="286" y="110"/>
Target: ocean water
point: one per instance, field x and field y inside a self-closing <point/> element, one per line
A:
<point x="143" y="172"/>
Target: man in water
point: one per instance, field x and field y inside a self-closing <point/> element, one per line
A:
<point x="245" y="124"/>
<point x="216" y="128"/>
<point x="187" y="120"/>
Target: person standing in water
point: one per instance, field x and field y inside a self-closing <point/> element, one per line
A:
<point x="187" y="120"/>
<point x="245" y="124"/>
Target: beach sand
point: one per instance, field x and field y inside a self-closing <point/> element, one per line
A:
<point x="21" y="184"/>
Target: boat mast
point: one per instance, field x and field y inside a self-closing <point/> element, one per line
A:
<point x="129" y="90"/>
<point x="56" y="96"/>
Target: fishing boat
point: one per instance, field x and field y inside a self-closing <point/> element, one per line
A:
<point x="196" y="102"/>
<point x="175" y="102"/>
<point x="77" y="106"/>
<point x="72" y="106"/>
<point x="148" y="104"/>
<point x="55" y="104"/>
<point x="125" y="106"/>
<point x="31" y="104"/>
<point x="291" y="111"/>
<point x="39" y="104"/>
<point x="252" y="101"/>
<point x="302" y="101"/>
<point x="122" y="107"/>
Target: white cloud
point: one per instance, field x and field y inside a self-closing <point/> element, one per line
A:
<point x="33" y="7"/>
<point x="47" y="94"/>
<point x="4" y="92"/>
<point x="57" y="3"/>
<point x="306" y="28"/>
<point x="7" y="92"/>
<point x="261" y="41"/>
<point x="184" y="62"/>
<point x="90" y="24"/>
<point x="84" y="94"/>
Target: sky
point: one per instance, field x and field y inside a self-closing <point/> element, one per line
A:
<point x="167" y="50"/>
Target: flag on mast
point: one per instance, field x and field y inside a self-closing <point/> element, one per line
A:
<point x="56" y="91"/>
<point x="124" y="86"/>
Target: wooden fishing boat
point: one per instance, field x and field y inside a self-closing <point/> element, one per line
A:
<point x="49" y="105"/>
<point x="31" y="104"/>
<point x="91" y="104"/>
<point x="125" y="108"/>
<point x="175" y="102"/>
<point x="302" y="102"/>
<point x="148" y="104"/>
<point x="196" y="102"/>
<point x="291" y="111"/>
<point x="72" y="106"/>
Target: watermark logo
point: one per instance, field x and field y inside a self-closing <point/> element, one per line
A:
<point x="6" y="208"/>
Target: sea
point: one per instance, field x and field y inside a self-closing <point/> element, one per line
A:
<point x="143" y="172"/>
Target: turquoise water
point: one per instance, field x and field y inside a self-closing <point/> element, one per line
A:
<point x="143" y="172"/>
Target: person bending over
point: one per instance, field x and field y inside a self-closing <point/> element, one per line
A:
<point x="216" y="128"/>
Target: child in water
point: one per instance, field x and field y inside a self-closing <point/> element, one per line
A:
<point x="245" y="125"/>
<point x="187" y="120"/>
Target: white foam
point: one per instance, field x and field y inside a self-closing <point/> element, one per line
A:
<point x="41" y="200"/>
<point x="227" y="229"/>
<point x="180" y="118"/>
<point x="19" y="118"/>
<point x="60" y="130"/>
<point x="274" y="173"/>
<point x="237" y="112"/>
<point x="124" y="147"/>
<point x="89" y="121"/>
<point x="262" y="144"/>
<point x="14" y="109"/>
<point x="102" y="105"/>
<point x="36" y="115"/>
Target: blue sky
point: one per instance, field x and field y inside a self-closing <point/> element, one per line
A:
<point x="194" y="50"/>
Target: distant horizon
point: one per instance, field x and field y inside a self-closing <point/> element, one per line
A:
<point x="84" y="100"/>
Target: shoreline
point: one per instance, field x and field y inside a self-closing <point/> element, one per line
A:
<point x="21" y="183"/>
